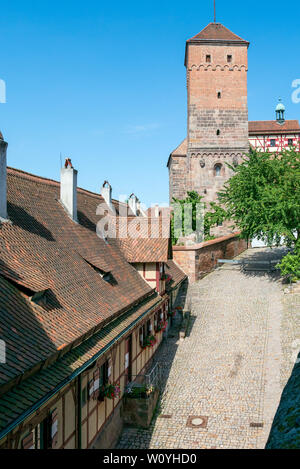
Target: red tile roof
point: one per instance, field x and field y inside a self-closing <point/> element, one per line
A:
<point x="43" y="249"/>
<point x="217" y="32"/>
<point x="177" y="275"/>
<point x="144" y="239"/>
<point x="272" y="127"/>
<point x="22" y="400"/>
<point x="181" y="150"/>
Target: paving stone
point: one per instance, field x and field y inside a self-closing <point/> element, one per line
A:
<point x="230" y="367"/>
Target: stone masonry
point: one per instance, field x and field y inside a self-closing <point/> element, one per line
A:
<point x="217" y="128"/>
<point x="199" y="259"/>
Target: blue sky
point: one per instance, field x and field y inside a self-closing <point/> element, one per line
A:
<point x="104" y="82"/>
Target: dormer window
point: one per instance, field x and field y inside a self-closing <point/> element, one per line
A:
<point x="39" y="298"/>
<point x="105" y="275"/>
<point x="208" y="59"/>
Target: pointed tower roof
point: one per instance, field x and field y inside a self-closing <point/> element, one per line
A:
<point x="216" y="32"/>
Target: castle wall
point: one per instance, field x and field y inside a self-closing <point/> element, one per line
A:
<point x="200" y="259"/>
<point x="178" y="171"/>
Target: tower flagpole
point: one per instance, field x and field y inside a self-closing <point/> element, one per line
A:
<point x="214" y="11"/>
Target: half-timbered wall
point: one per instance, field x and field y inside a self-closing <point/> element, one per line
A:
<point x="152" y="273"/>
<point x="95" y="415"/>
<point x="275" y="143"/>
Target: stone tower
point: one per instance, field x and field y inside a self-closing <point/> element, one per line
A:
<point x="217" y="127"/>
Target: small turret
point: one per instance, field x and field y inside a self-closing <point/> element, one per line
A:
<point x="280" y="110"/>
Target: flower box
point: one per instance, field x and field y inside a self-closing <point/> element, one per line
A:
<point x="149" y="341"/>
<point x="109" y="391"/>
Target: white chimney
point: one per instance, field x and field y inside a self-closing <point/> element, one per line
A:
<point x="106" y="194"/>
<point x="132" y="202"/>
<point x="3" y="175"/>
<point x="68" y="189"/>
<point x="140" y="210"/>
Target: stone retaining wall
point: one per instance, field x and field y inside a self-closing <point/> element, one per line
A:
<point x="200" y="259"/>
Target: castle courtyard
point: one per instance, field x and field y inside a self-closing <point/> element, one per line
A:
<point x="222" y="384"/>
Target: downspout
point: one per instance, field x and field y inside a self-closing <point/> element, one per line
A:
<point x="79" y="412"/>
<point x="70" y="378"/>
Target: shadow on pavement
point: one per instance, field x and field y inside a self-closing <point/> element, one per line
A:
<point x="285" y="431"/>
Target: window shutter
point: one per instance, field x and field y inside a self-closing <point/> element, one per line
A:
<point x="96" y="384"/>
<point x="101" y="375"/>
<point x="109" y="370"/>
<point x="126" y="360"/>
<point x="141" y="336"/>
<point x="54" y="428"/>
<point x="155" y="321"/>
<point x="91" y="388"/>
<point x="28" y="441"/>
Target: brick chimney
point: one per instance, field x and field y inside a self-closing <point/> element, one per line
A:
<point x="106" y="194"/>
<point x="3" y="176"/>
<point x="68" y="189"/>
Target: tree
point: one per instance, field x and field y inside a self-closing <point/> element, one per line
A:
<point x="188" y="217"/>
<point x="214" y="217"/>
<point x="263" y="199"/>
<point x="184" y="220"/>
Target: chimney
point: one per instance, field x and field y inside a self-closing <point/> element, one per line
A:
<point x="140" y="210"/>
<point x="133" y="202"/>
<point x="68" y="189"/>
<point x="106" y="194"/>
<point x="3" y="175"/>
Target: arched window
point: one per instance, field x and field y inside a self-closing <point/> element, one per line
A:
<point x="217" y="169"/>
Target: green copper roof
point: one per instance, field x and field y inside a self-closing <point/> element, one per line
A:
<point x="280" y="106"/>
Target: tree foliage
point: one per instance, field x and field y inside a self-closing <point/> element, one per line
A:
<point x="214" y="217"/>
<point x="189" y="216"/>
<point x="290" y="265"/>
<point x="263" y="199"/>
<point x="184" y="219"/>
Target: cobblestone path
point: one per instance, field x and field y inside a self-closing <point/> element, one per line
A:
<point x="226" y="371"/>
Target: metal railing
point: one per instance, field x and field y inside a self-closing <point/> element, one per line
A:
<point x="152" y="378"/>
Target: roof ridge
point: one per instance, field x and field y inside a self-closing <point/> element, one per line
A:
<point x="214" y="32"/>
<point x="51" y="182"/>
<point x="273" y="120"/>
